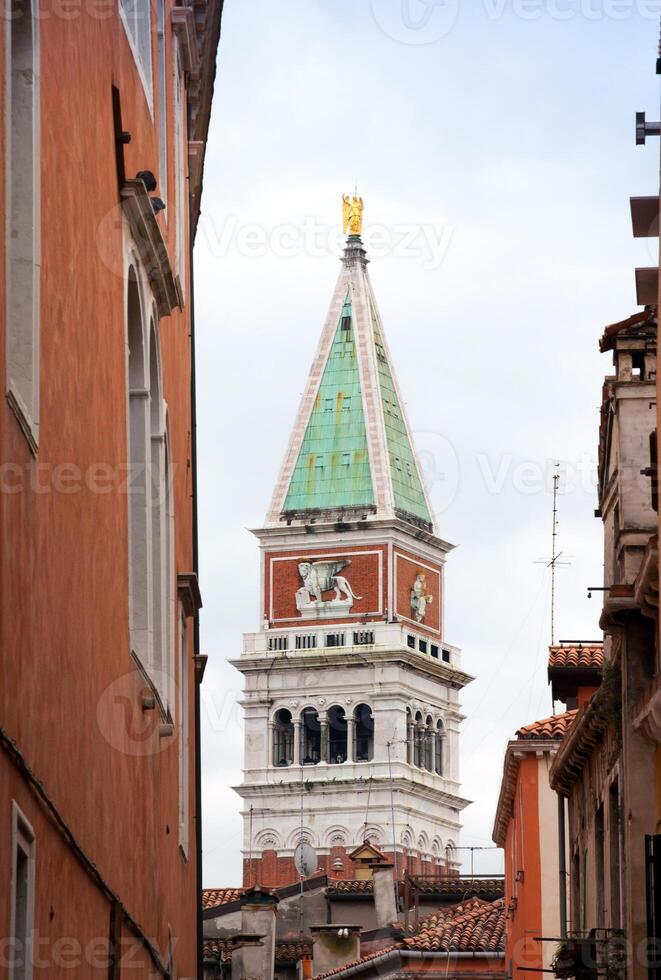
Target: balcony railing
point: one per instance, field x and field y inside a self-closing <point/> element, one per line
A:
<point x="371" y="636"/>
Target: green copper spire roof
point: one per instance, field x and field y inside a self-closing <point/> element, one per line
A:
<point x="332" y="470"/>
<point x="351" y="448"/>
<point x="406" y="484"/>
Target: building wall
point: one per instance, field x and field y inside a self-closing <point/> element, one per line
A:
<point x="71" y="693"/>
<point x="523" y="896"/>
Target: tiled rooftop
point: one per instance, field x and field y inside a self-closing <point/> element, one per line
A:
<point x="351" y="887"/>
<point x="285" y="952"/>
<point x="453" y="885"/>
<point x="588" y="657"/>
<point x="549" y="728"/>
<point x="474" y="926"/>
<point x="213" y="897"/>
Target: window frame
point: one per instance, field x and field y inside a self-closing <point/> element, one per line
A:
<point x="23" y="837"/>
<point x="26" y="407"/>
<point x="145" y="72"/>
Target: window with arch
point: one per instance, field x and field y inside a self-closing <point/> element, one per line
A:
<point x="150" y="502"/>
<point x="283" y="738"/>
<point x="310" y="737"/>
<point x="363" y="733"/>
<point x="438" y="755"/>
<point x="418" y="739"/>
<point x="337" y="735"/>
<point x="409" y="736"/>
<point x="428" y="745"/>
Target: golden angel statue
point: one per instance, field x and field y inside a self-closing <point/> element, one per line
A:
<point x="352" y="214"/>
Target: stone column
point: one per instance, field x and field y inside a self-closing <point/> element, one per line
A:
<point x="324" y="742"/>
<point x="333" y="946"/>
<point x="433" y="750"/>
<point x="297" y="743"/>
<point x="351" y="738"/>
<point x="270" y="749"/>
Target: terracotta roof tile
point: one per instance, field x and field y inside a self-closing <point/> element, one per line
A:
<point x="221" y="949"/>
<point x="291" y="952"/>
<point x="454" y="885"/>
<point x="349" y="886"/>
<point x="588" y="657"/>
<point x="213" y="897"/>
<point x="363" y="959"/>
<point x="285" y="952"/>
<point x="549" y="728"/>
<point x="474" y="926"/>
<point x="642" y="318"/>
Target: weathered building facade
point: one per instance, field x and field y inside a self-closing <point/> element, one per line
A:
<point x="526" y="827"/>
<point x="107" y="110"/>
<point x="351" y="688"/>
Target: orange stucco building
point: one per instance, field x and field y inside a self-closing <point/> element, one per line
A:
<point x="99" y="659"/>
<point x="526" y="827"/>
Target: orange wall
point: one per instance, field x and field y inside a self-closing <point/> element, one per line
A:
<point x="63" y="555"/>
<point x="522" y="854"/>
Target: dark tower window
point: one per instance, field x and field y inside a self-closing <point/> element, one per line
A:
<point x="346" y="323"/>
<point x="418" y="736"/>
<point x="337" y="736"/>
<point x="283" y="738"/>
<point x="310" y="738"/>
<point x="438" y="763"/>
<point x="364" y="726"/>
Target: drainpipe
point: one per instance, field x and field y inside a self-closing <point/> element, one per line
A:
<point x="562" y="866"/>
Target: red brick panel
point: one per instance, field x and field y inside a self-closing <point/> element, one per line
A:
<point x="407" y="567"/>
<point x="365" y="575"/>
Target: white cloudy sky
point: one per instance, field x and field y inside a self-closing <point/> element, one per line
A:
<point x="503" y="147"/>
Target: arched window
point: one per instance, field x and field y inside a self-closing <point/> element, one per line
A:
<point x="150" y="504"/>
<point x="364" y="733"/>
<point x="337" y="735"/>
<point x="428" y="745"/>
<point x="418" y="740"/>
<point x="409" y="736"/>
<point x="438" y="760"/>
<point x="140" y="557"/>
<point x="283" y="738"/>
<point x="310" y="737"/>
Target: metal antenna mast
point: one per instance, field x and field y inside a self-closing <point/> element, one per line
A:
<point x="554" y="562"/>
<point x="554" y="539"/>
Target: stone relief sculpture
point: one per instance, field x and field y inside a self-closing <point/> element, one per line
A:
<point x="419" y="598"/>
<point x="319" y="577"/>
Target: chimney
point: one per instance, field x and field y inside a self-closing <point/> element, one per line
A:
<point x="334" y="946"/>
<point x="254" y="956"/>
<point x="384" y="895"/>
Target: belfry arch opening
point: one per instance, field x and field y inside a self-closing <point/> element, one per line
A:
<point x="310" y="737"/>
<point x="364" y="733"/>
<point x="283" y="738"/>
<point x="337" y="735"/>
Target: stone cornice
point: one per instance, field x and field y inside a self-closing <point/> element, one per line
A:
<point x="316" y="658"/>
<point x="207" y="17"/>
<point x="303" y="535"/>
<point x="410" y="787"/>
<point x="149" y="242"/>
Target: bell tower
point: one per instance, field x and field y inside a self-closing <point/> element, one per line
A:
<point x="351" y="696"/>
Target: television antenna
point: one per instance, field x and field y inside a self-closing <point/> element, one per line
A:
<point x="554" y="562"/>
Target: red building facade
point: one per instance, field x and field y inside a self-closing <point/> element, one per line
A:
<point x="99" y="829"/>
